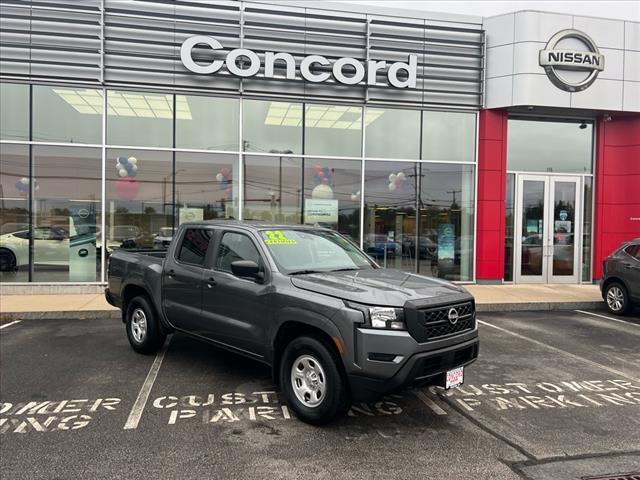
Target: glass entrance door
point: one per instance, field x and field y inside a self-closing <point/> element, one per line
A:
<point x="548" y="229"/>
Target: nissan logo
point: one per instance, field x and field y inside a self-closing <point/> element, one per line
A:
<point x="453" y="316"/>
<point x="555" y="60"/>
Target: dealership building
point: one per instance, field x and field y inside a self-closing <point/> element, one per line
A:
<point x="488" y="150"/>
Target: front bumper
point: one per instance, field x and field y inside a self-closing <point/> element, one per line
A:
<point x="389" y="361"/>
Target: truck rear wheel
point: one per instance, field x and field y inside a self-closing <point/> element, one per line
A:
<point x="313" y="382"/>
<point x="143" y="329"/>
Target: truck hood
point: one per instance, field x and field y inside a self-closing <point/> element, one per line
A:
<point x="381" y="286"/>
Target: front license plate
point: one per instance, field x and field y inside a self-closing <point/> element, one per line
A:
<point x="455" y="377"/>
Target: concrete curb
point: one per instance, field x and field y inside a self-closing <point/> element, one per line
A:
<point x="481" y="308"/>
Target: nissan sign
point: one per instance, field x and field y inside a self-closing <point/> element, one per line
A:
<point x="555" y="60"/>
<point x="251" y="65"/>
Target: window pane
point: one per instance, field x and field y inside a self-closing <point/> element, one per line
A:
<point x="448" y="136"/>
<point x="390" y="213"/>
<point x="14" y="213"/>
<point x="333" y="130"/>
<point x="137" y="118"/>
<point x="194" y="246"/>
<point x="509" y="228"/>
<point x="273" y="189"/>
<point x="72" y="115"/>
<point x="14" y="111"/>
<point x="445" y="236"/>
<point x="272" y="127"/>
<point x="392" y="133"/>
<point x="235" y="247"/>
<point x="206" y="186"/>
<point x="586" y="229"/>
<point x="139" y="197"/>
<point x="66" y="214"/>
<point x="332" y="194"/>
<point x="544" y="146"/>
<point x="207" y="122"/>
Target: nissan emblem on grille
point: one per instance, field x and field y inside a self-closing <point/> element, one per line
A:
<point x="453" y="316"/>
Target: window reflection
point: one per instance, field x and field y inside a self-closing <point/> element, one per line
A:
<point x="14" y="111"/>
<point x="273" y="188"/>
<point x="333" y="130"/>
<point x="448" y="136"/>
<point x="390" y="213"/>
<point x="446" y="209"/>
<point x="392" y="133"/>
<point x="139" y="197"/>
<point x="271" y="127"/>
<point x="546" y="146"/>
<point x="71" y="115"/>
<point x="207" y="123"/>
<point x="14" y="213"/>
<point x="66" y="214"/>
<point x="141" y="118"/>
<point x="206" y="186"/>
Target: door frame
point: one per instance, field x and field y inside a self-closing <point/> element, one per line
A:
<point x="549" y="180"/>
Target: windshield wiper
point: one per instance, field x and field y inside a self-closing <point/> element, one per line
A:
<point x="304" y="272"/>
<point x="348" y="269"/>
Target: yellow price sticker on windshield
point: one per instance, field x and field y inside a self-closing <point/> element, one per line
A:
<point x="276" y="237"/>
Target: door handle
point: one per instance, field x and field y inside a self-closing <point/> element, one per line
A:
<point x="211" y="282"/>
<point x="171" y="273"/>
<point x="629" y="266"/>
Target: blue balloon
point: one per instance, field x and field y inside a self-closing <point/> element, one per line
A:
<point x="133" y="173"/>
<point x="123" y="160"/>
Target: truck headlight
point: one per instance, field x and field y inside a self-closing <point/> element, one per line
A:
<point x="386" y="317"/>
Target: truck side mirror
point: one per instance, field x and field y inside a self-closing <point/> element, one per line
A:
<point x="246" y="269"/>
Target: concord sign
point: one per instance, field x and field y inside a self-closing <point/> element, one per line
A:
<point x="251" y="64"/>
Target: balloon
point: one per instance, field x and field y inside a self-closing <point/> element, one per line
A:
<point x="392" y="187"/>
<point x="219" y="177"/>
<point x="317" y="168"/>
<point x="392" y="177"/>
<point x="134" y="168"/>
<point x="122" y="160"/>
<point x="132" y="160"/>
<point x="322" y="191"/>
<point x="133" y="173"/>
<point x="122" y="172"/>
<point x="24" y="181"/>
<point x="127" y="188"/>
<point x="401" y="176"/>
<point x="225" y="172"/>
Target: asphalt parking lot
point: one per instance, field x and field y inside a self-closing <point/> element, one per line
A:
<point x="554" y="395"/>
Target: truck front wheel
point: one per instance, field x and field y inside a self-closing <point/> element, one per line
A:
<point x="143" y="330"/>
<point x="312" y="381"/>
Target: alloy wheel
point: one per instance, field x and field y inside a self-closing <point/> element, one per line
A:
<point x="139" y="325"/>
<point x="615" y="298"/>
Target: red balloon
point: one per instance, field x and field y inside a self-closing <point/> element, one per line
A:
<point x="317" y="169"/>
<point x="127" y="188"/>
<point x="225" y="172"/>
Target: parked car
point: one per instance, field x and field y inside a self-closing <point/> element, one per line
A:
<point x="332" y="325"/>
<point x="375" y="245"/>
<point x="620" y="282"/>
<point x="51" y="246"/>
<point x="163" y="238"/>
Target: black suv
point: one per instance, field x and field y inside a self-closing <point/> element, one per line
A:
<point x="620" y="282"/>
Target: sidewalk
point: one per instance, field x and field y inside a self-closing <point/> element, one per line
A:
<point x="489" y="298"/>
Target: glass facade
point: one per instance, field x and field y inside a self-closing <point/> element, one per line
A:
<point x="163" y="159"/>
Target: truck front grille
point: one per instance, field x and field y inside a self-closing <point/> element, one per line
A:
<point x="436" y="323"/>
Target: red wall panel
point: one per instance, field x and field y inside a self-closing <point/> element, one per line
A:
<point x="492" y="177"/>
<point x="617" y="186"/>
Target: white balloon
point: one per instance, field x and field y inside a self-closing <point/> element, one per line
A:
<point x="392" y="177"/>
<point x="24" y="181"/>
<point x="122" y="172"/>
<point x="219" y="177"/>
<point x="134" y="168"/>
<point x="354" y="197"/>
<point x="392" y="186"/>
<point x="132" y="160"/>
<point x="401" y="175"/>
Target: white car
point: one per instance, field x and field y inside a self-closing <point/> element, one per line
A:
<point x="51" y="247"/>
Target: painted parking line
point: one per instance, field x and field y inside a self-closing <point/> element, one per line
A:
<point x="609" y="318"/>
<point x="562" y="352"/>
<point x="428" y="402"/>
<point x="9" y="324"/>
<point x="145" y="390"/>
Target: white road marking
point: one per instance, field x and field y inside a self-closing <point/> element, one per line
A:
<point x="563" y="352"/>
<point x="608" y="318"/>
<point x="145" y="390"/>
<point x="9" y="324"/>
<point x="428" y="402"/>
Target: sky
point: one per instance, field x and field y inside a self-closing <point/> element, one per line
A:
<point x="623" y="9"/>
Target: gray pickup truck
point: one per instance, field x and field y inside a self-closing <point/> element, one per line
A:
<point x="333" y="325"/>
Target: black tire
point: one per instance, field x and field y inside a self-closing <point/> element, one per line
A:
<point x="335" y="400"/>
<point x="152" y="339"/>
<point x="617" y="298"/>
<point x="7" y="260"/>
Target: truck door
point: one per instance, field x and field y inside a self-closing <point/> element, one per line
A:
<point x="235" y="310"/>
<point x="182" y="279"/>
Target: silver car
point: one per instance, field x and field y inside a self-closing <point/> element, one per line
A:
<point x="620" y="282"/>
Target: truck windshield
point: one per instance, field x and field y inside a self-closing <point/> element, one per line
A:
<point x="312" y="251"/>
